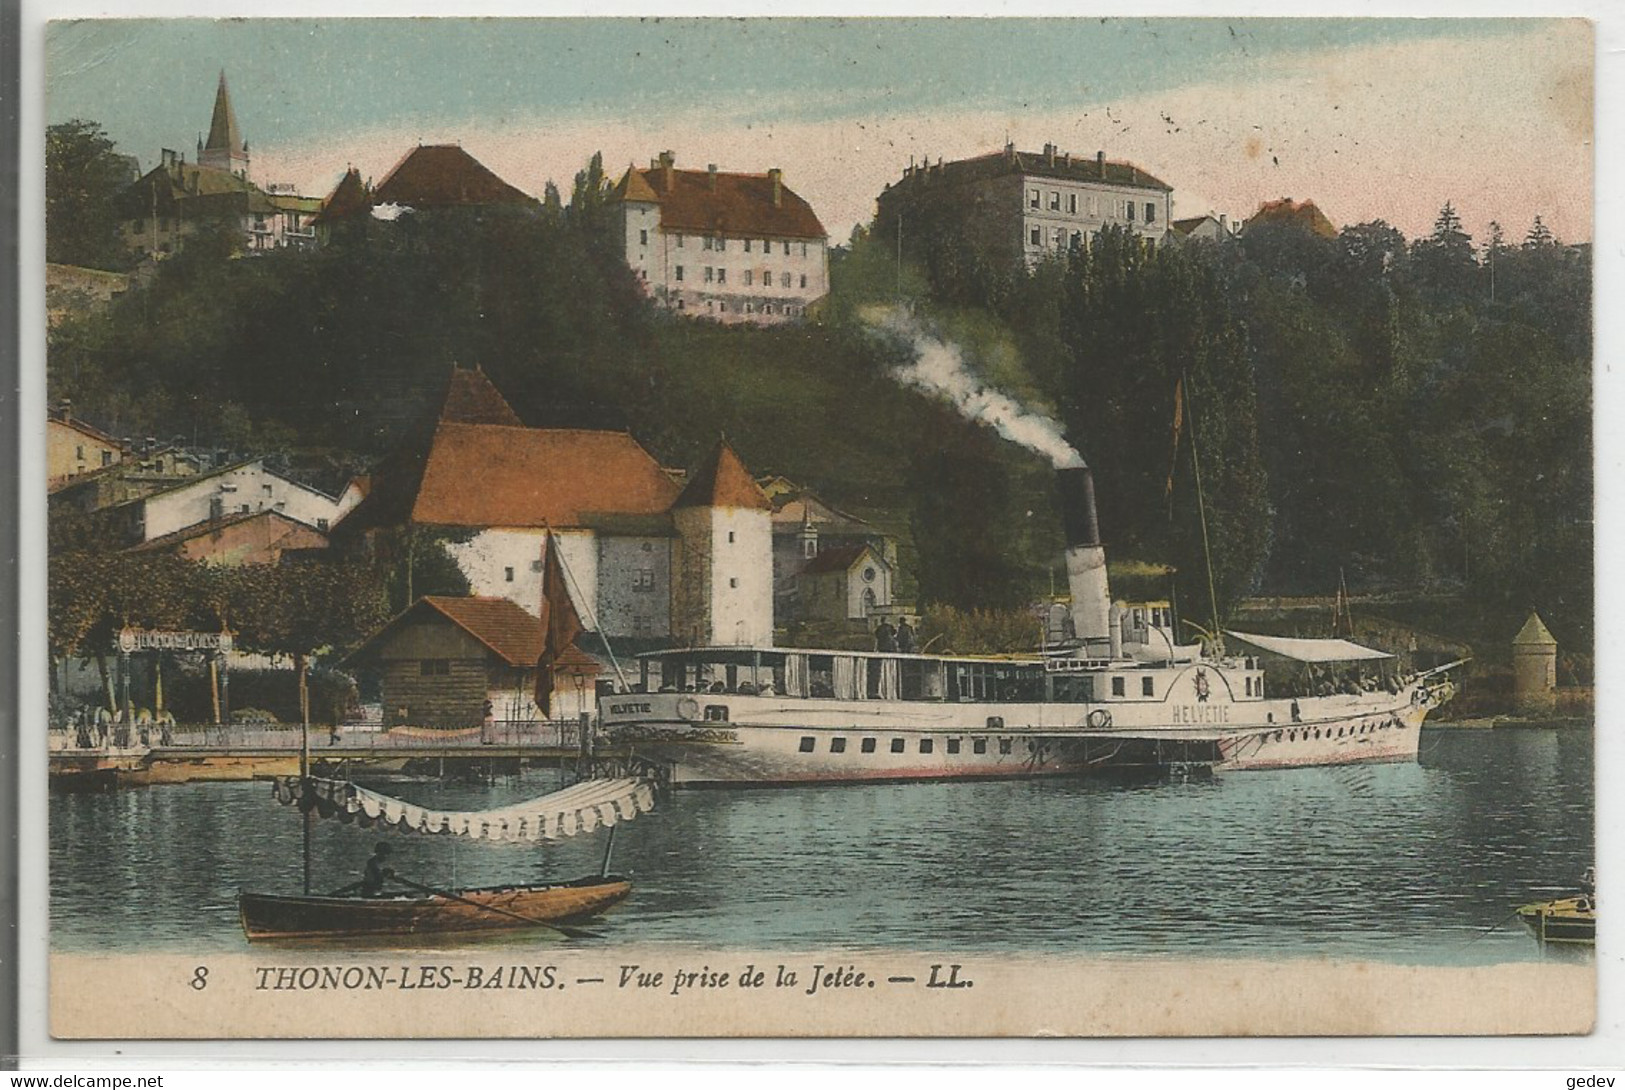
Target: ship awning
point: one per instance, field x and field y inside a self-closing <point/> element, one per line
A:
<point x="1311" y="650"/>
<point x="580" y="808"/>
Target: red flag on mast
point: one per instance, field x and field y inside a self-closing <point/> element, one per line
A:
<point x="1179" y="420"/>
<point x="560" y="623"/>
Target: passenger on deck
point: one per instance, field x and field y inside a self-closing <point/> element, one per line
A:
<point x="377" y="872"/>
<point x="885" y="637"/>
<point x="905" y="637"/>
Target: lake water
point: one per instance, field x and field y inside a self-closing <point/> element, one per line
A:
<point x="1413" y="863"/>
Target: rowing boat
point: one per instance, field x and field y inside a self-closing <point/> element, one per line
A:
<point x="1567" y="919"/>
<point x="289" y="916"/>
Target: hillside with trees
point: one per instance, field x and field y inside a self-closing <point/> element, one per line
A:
<point x="1411" y="415"/>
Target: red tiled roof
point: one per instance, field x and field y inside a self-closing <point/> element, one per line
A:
<point x="723" y="481"/>
<point x="304" y="536"/>
<point x="442" y="175"/>
<point x="740" y="205"/>
<point x="472" y="399"/>
<point x="491" y="475"/>
<point x="838" y="559"/>
<point x="348" y="197"/>
<point x="1287" y="210"/>
<point x="500" y="624"/>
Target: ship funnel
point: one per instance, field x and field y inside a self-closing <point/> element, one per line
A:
<point x="1085" y="558"/>
<point x="1078" y="517"/>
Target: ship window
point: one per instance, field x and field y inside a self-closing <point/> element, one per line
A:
<point x="925" y="745"/>
<point x="1147" y="687"/>
<point x="978" y="745"/>
<point x="953" y="745"/>
<point x="868" y="745"/>
<point x="807" y="745"/>
<point x="1004" y="745"/>
<point x="716" y="713"/>
<point x="897" y="745"/>
<point x="1117" y="686"/>
<point x="837" y="745"/>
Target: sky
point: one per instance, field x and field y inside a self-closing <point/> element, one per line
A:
<point x="1372" y="119"/>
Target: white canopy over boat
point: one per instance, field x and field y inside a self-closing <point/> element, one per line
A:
<point x="1311" y="650"/>
<point x="579" y="808"/>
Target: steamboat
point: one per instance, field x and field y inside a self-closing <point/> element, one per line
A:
<point x="1120" y="694"/>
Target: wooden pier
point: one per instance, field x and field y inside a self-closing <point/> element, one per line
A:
<point x="195" y="757"/>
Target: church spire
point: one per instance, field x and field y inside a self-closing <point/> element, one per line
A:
<point x="224" y="149"/>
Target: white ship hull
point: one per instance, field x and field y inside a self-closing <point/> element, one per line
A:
<point x="776" y="740"/>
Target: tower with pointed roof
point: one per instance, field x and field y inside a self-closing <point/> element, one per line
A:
<point x="1534" y="667"/>
<point x="722" y="586"/>
<point x="225" y="149"/>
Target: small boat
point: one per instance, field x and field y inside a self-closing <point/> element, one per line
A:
<point x="581" y="808"/>
<point x="1565" y="919"/>
<point x="290" y="916"/>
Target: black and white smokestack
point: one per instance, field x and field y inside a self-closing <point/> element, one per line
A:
<point x="1078" y="519"/>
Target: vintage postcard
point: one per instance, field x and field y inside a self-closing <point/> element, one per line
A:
<point x="915" y="527"/>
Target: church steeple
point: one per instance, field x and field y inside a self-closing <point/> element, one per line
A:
<point x="225" y="148"/>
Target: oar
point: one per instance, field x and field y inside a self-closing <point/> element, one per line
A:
<point x="568" y="932"/>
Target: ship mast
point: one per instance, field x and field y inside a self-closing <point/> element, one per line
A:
<point x="1201" y="510"/>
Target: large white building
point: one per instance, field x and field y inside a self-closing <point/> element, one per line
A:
<point x="1024" y="205"/>
<point x="645" y="558"/>
<point x="713" y="244"/>
<point x="242" y="489"/>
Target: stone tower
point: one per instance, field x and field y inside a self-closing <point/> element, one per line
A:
<point x="722" y="588"/>
<point x="225" y="148"/>
<point x="1534" y="668"/>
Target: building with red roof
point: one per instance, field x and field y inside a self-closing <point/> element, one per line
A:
<point x="721" y="245"/>
<point x="443" y="662"/>
<point x="645" y="559"/>
<point x="1290" y="213"/>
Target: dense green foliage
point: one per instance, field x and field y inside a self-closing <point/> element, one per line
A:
<point x="1410" y="415"/>
<point x="83" y="177"/>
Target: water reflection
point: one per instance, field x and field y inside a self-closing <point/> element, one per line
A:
<point x="1417" y="862"/>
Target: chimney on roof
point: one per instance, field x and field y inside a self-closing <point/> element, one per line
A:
<point x="1067" y="159"/>
<point x="1100" y="162"/>
<point x="1049" y="154"/>
<point x="64" y="409"/>
<point x="711" y="170"/>
<point x="667" y="161"/>
<point x="1224" y="221"/>
<point x="776" y="176"/>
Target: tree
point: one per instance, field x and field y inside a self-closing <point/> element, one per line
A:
<point x="84" y="175"/>
<point x="589" y="199"/>
<point x="1445" y="263"/>
<point x="1138" y="325"/>
<point x="1539" y="235"/>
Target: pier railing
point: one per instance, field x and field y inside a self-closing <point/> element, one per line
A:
<point x="529" y="734"/>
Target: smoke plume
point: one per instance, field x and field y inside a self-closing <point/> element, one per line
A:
<point x="939" y="368"/>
